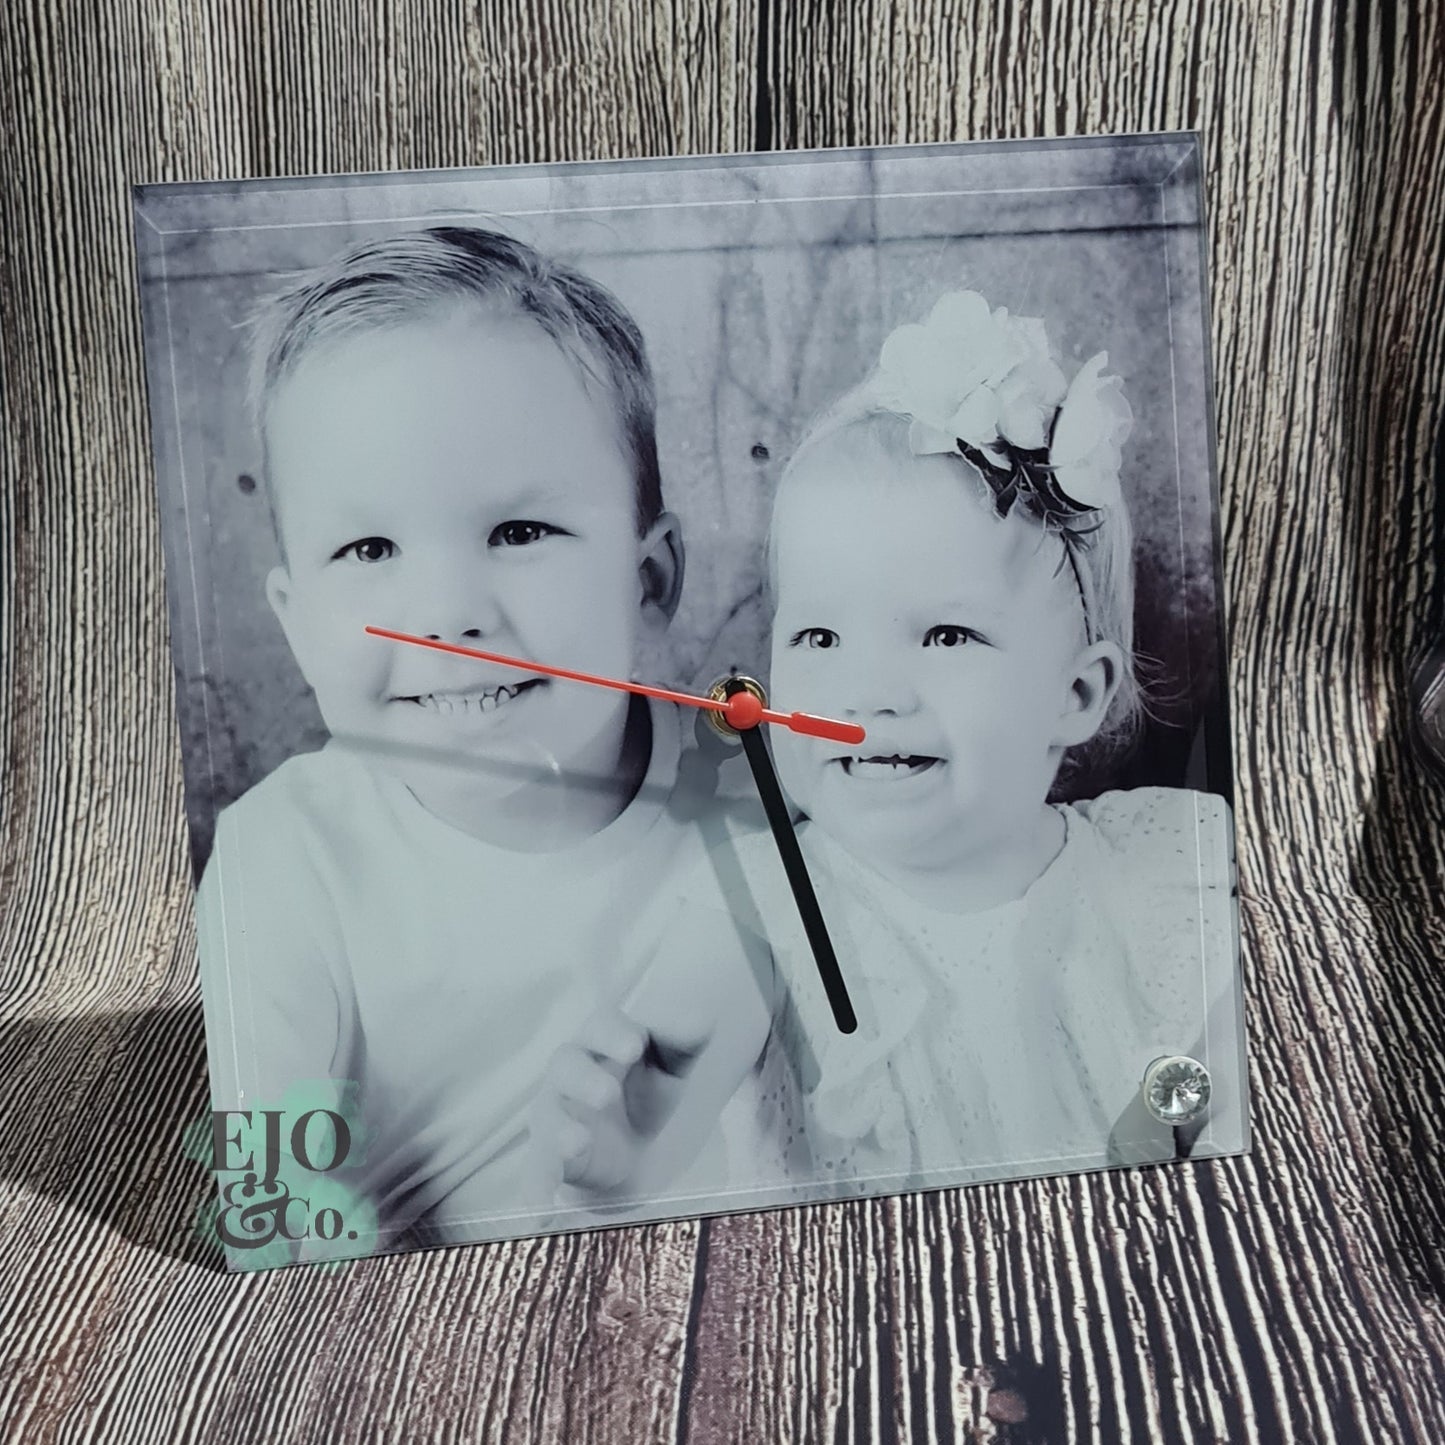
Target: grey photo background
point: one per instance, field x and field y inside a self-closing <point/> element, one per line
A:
<point x="763" y="291"/>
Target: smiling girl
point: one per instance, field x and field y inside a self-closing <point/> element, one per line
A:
<point x="951" y="567"/>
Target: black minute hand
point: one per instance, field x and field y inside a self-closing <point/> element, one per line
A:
<point x="776" y="807"/>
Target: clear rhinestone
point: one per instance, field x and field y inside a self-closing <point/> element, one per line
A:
<point x="1176" y="1089"/>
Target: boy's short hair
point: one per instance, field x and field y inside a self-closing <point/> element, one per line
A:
<point x="399" y="278"/>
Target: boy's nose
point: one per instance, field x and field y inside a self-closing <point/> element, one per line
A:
<point x="466" y="634"/>
<point x="476" y="623"/>
<point x="456" y="606"/>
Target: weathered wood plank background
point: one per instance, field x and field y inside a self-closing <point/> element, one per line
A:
<point x="1293" y="1296"/>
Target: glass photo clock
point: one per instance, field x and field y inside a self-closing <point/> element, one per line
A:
<point x="701" y="683"/>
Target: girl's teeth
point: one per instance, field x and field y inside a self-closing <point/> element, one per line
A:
<point x="885" y="767"/>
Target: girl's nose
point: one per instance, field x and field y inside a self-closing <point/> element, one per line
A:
<point x="875" y="690"/>
<point x="870" y="705"/>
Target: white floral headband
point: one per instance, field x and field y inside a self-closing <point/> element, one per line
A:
<point x="983" y="385"/>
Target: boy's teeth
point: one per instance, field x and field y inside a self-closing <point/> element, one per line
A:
<point x="449" y="704"/>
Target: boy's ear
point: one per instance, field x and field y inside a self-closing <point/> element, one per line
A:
<point x="1097" y="673"/>
<point x="661" y="569"/>
<point x="278" y="594"/>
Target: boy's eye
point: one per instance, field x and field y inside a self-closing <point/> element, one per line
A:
<point x="521" y="533"/>
<point x="815" y="637"/>
<point x="368" y="549"/>
<point x="948" y="634"/>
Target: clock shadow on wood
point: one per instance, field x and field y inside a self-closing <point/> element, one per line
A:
<point x="105" y="1113"/>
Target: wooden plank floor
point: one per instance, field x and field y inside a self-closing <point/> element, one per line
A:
<point x="1292" y="1296"/>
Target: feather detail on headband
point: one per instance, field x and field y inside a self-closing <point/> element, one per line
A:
<point x="983" y="385"/>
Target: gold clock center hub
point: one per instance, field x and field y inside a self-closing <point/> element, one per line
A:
<point x="723" y="689"/>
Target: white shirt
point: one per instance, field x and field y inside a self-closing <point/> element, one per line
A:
<point x="347" y="934"/>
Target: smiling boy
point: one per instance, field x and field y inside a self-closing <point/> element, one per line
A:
<point x="459" y="445"/>
<point x="452" y="477"/>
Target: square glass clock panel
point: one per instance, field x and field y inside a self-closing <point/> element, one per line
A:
<point x="919" y="441"/>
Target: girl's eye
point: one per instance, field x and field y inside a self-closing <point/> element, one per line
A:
<point x="368" y="549"/>
<point x="521" y="533"/>
<point x="947" y="634"/>
<point x="815" y="637"/>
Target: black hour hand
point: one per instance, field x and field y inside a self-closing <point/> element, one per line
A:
<point x="785" y="836"/>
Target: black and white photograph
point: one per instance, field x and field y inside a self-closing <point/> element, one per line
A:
<point x="700" y="682"/>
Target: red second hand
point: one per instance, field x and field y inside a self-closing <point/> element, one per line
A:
<point x="742" y="709"/>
